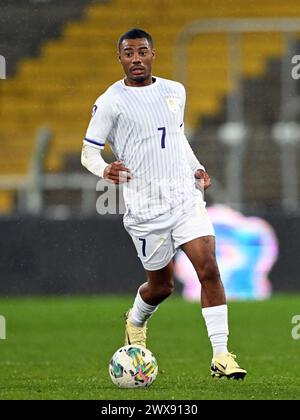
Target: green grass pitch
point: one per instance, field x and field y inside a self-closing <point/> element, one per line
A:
<point x="59" y="348"/>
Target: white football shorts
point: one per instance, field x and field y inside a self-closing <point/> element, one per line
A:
<point x="157" y="240"/>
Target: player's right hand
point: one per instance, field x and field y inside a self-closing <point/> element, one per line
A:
<point x="117" y="173"/>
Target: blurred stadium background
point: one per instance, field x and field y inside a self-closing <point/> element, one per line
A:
<point x="235" y="59"/>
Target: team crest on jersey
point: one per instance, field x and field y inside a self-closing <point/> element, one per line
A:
<point x="173" y="103"/>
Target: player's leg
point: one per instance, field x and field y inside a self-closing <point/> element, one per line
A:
<point x="201" y="252"/>
<point x="155" y="250"/>
<point x="159" y="286"/>
<point x="194" y="233"/>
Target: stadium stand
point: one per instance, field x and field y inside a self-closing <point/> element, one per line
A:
<point x="58" y="86"/>
<point x="26" y="24"/>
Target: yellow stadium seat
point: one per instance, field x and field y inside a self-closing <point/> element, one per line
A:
<point x="6" y="201"/>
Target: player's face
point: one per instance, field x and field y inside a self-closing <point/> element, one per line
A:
<point x="136" y="57"/>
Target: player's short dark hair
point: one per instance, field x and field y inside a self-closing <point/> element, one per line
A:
<point x="135" y="33"/>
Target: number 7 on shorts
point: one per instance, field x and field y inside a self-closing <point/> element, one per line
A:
<point x="143" y="246"/>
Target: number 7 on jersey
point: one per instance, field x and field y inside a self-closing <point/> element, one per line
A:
<point x="163" y="136"/>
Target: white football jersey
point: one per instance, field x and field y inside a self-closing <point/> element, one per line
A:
<point x="144" y="127"/>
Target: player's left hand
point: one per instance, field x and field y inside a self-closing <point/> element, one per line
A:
<point x="203" y="178"/>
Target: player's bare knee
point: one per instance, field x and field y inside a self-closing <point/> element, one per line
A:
<point x="209" y="271"/>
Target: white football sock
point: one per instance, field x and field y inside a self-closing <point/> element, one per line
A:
<point x="141" y="311"/>
<point x="216" y="319"/>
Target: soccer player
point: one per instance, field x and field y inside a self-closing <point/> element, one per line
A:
<point x="141" y="117"/>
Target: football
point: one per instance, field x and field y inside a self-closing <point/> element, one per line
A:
<point x="133" y="367"/>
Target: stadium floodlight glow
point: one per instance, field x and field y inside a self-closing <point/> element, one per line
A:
<point x="2" y="328"/>
<point x="2" y="67"/>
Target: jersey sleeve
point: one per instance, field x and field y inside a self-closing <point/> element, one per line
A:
<point x="92" y="160"/>
<point x="182" y="100"/>
<point x="192" y="160"/>
<point x="101" y="123"/>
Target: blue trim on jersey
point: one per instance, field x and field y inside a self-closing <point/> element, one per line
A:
<point x="94" y="142"/>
